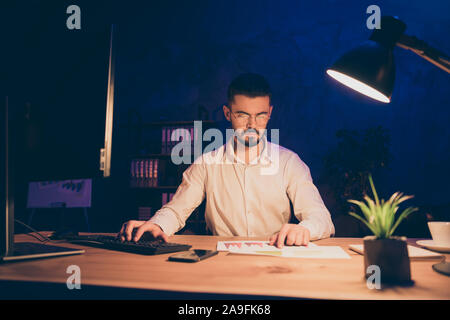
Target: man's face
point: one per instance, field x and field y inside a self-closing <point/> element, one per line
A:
<point x="248" y="117"/>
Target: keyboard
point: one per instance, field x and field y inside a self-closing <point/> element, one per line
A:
<point x="141" y="247"/>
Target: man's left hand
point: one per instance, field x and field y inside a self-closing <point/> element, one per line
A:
<point x="292" y="234"/>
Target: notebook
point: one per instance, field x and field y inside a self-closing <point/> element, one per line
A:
<point x="414" y="253"/>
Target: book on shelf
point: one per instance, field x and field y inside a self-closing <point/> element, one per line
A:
<point x="163" y="141"/>
<point x="144" y="213"/>
<point x="144" y="173"/>
<point x="167" y="197"/>
<point x="184" y="133"/>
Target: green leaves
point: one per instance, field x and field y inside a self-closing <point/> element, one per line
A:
<point x="379" y="216"/>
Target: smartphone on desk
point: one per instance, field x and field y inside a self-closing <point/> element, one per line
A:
<point x="193" y="255"/>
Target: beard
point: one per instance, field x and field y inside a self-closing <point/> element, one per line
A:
<point x="249" y="140"/>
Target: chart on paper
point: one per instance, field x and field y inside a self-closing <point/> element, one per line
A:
<point x="263" y="248"/>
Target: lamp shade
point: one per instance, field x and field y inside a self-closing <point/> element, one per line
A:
<point x="369" y="68"/>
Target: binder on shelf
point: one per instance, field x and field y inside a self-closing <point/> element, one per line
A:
<point x="173" y="142"/>
<point x="144" y="173"/>
<point x="157" y="172"/>
<point x="141" y="176"/>
<point x="184" y="133"/>
<point x="133" y="169"/>
<point x="168" y="138"/>
<point x="154" y="179"/>
<point x="193" y="138"/>
<point x="149" y="168"/>
<point x="144" y="213"/>
<point x="163" y="141"/>
<point x="167" y="197"/>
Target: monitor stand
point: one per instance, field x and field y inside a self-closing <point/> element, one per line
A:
<point x="31" y="250"/>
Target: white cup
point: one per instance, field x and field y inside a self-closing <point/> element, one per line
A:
<point x="440" y="232"/>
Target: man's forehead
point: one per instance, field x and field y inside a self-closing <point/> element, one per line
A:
<point x="244" y="103"/>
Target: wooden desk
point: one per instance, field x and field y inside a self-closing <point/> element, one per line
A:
<point x="226" y="274"/>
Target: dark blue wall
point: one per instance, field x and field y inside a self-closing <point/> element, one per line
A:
<point x="173" y="56"/>
<point x="181" y="56"/>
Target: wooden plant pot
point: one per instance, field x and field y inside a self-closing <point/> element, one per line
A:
<point x="391" y="256"/>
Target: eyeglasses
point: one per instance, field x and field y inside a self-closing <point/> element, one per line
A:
<point x="260" y="119"/>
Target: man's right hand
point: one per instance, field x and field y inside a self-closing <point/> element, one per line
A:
<point x="126" y="233"/>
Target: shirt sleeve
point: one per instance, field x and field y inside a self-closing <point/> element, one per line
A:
<point x="189" y="195"/>
<point x="306" y="200"/>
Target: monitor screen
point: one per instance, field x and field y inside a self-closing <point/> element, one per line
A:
<point x="58" y="86"/>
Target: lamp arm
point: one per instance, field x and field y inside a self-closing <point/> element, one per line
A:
<point x="422" y="49"/>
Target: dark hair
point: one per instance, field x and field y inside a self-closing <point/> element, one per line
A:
<point x="250" y="85"/>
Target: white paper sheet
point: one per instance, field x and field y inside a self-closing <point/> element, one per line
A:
<point x="263" y="248"/>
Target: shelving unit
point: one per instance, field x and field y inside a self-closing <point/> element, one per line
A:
<point x="153" y="177"/>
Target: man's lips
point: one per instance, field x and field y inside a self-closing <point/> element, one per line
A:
<point x="250" y="133"/>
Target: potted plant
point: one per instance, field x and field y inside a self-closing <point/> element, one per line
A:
<point x="388" y="252"/>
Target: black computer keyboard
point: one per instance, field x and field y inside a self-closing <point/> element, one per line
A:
<point x="141" y="247"/>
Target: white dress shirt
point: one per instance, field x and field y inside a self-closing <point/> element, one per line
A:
<point x="243" y="199"/>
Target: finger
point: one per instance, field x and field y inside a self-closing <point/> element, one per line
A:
<point x="122" y="232"/>
<point x="122" y="229"/>
<point x="272" y="239"/>
<point x="157" y="233"/>
<point x="290" y="239"/>
<point x="299" y="239"/>
<point x="129" y="230"/>
<point x="304" y="239"/>
<point x="139" y="232"/>
<point x="282" y="236"/>
<point x="307" y="237"/>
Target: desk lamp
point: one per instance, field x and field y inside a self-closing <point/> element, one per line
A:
<point x="370" y="69"/>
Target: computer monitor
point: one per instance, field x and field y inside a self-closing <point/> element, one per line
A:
<point x="9" y="250"/>
<point x="56" y="161"/>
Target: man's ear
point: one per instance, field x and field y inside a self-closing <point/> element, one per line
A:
<point x="227" y="112"/>
<point x="270" y="110"/>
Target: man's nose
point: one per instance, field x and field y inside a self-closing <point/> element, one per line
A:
<point x="251" y="124"/>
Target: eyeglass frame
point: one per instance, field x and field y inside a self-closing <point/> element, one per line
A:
<point x="250" y="115"/>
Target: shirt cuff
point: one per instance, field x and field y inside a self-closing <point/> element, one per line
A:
<point x="166" y="220"/>
<point x="317" y="230"/>
<point x="313" y="232"/>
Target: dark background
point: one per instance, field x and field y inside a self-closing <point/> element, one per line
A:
<point x="174" y="56"/>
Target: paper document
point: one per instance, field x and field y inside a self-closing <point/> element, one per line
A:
<point x="263" y="248"/>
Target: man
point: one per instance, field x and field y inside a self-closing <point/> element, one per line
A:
<point x="241" y="198"/>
